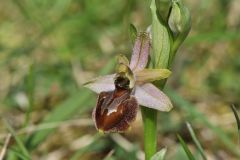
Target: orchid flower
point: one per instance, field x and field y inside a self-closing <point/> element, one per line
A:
<point x="120" y="93"/>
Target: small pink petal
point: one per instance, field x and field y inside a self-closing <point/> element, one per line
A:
<point x="150" y="96"/>
<point x="141" y="51"/>
<point x="101" y="84"/>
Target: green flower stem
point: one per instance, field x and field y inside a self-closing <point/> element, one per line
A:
<point x="150" y="131"/>
<point x="149" y="117"/>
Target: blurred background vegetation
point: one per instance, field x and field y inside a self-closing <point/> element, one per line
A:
<point x="48" y="48"/>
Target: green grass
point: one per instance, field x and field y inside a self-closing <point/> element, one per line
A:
<point x="186" y="149"/>
<point x="23" y="150"/>
<point x="196" y="141"/>
<point x="197" y="116"/>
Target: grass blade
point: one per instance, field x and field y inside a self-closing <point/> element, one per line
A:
<point x="18" y="140"/>
<point x="197" y="143"/>
<point x="238" y="121"/>
<point x="14" y="154"/>
<point x="30" y="92"/>
<point x="159" y="155"/>
<point x="185" y="147"/>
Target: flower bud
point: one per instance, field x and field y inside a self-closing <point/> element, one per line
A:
<point x="179" y="19"/>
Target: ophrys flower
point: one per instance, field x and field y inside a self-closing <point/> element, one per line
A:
<point x="120" y="93"/>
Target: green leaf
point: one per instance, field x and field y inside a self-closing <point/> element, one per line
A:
<point x="159" y="155"/>
<point x="238" y="121"/>
<point x="133" y="33"/>
<point x="197" y="143"/>
<point x="160" y="40"/>
<point x="19" y="142"/>
<point x="186" y="149"/>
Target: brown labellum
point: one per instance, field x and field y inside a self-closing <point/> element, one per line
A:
<point x="116" y="109"/>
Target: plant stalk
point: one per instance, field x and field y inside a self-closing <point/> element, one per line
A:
<point x="149" y="117"/>
<point x="150" y="131"/>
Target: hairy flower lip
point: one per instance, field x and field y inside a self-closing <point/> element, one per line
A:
<point x="118" y="116"/>
<point x="114" y="112"/>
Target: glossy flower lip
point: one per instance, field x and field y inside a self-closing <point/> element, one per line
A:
<point x="120" y="93"/>
<point x="118" y="116"/>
